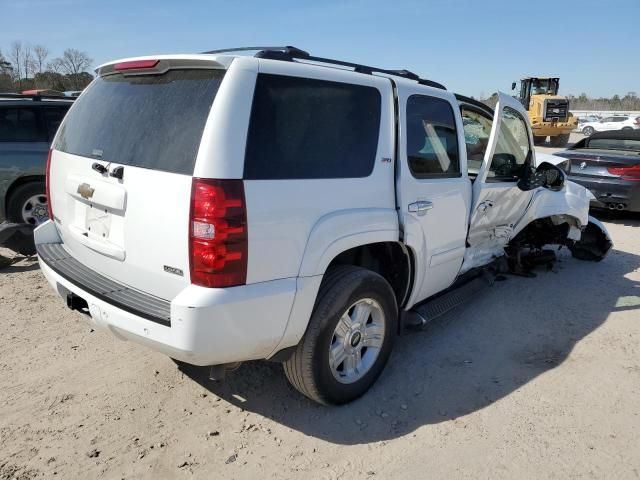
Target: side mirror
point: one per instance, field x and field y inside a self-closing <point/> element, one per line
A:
<point x="513" y="86"/>
<point x="547" y="175"/>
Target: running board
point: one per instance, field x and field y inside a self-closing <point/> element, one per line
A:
<point x="427" y="311"/>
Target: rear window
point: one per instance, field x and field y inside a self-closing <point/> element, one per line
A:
<point x="148" y="121"/>
<point x="305" y="128"/>
<point x="53" y="117"/>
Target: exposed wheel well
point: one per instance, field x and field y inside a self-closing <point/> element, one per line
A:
<point x="18" y="182"/>
<point x="391" y="260"/>
<point x="545" y="231"/>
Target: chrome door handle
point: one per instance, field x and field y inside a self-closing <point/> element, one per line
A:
<point x="420" y="206"/>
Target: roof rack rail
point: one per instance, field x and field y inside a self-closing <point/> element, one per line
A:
<point x="35" y="97"/>
<point x="253" y="49"/>
<point x="289" y="54"/>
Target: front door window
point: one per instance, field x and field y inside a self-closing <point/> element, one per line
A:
<point x="513" y="150"/>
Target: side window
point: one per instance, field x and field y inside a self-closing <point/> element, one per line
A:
<point x="477" y="129"/>
<point x="619" y="119"/>
<point x="306" y="128"/>
<point x="53" y="117"/>
<point x="19" y="125"/>
<point x="513" y="150"/>
<point x="432" y="142"/>
<point x="608" y="119"/>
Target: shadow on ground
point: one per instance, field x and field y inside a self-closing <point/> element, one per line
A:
<point x="629" y="219"/>
<point x="20" y="264"/>
<point x="504" y="338"/>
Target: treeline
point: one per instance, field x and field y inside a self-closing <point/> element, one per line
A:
<point x="24" y="67"/>
<point x="630" y="102"/>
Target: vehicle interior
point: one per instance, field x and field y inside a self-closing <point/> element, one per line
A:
<point x="513" y="150"/>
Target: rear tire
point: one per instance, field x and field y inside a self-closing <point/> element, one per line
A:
<point x="28" y="204"/>
<point x="314" y="368"/>
<point x="588" y="131"/>
<point x="560" y="140"/>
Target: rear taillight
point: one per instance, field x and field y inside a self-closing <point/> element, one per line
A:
<point x="218" y="233"/>
<point x="47" y="185"/>
<point x="632" y="172"/>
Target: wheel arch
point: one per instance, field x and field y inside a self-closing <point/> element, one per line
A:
<point x="366" y="237"/>
<point x="375" y="256"/>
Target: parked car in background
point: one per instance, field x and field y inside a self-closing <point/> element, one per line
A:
<point x="616" y="122"/>
<point x="27" y="126"/>
<point x="608" y="164"/>
<point x="587" y="119"/>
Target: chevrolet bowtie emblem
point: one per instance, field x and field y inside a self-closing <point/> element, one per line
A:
<point x="85" y="190"/>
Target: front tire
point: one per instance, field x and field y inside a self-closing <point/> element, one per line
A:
<point x="560" y="140"/>
<point x="593" y="245"/>
<point x="539" y="140"/>
<point x="588" y="131"/>
<point x="349" y="337"/>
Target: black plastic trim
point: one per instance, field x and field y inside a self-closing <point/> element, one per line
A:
<point x="133" y="301"/>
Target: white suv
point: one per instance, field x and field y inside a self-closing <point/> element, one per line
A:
<point x="221" y="208"/>
<point x="617" y="122"/>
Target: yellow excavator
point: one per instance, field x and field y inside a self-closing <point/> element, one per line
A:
<point x="548" y="112"/>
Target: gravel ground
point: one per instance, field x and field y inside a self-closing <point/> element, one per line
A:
<point x="534" y="378"/>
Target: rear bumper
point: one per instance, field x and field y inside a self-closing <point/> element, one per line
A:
<point x="612" y="192"/>
<point x="205" y="326"/>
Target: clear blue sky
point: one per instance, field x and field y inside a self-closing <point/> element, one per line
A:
<point x="472" y="46"/>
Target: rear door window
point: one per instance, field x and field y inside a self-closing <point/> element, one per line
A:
<point x="306" y="128"/>
<point x="432" y="140"/>
<point x="148" y="121"/>
<point x="20" y="124"/>
<point x="53" y="118"/>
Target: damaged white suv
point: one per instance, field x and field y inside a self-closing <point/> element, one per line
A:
<point x="221" y="207"/>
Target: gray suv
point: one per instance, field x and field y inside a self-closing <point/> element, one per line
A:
<point x="27" y="126"/>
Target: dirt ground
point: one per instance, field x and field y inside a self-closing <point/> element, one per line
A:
<point x="534" y="378"/>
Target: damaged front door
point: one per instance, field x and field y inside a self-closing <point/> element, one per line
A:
<point x="498" y="203"/>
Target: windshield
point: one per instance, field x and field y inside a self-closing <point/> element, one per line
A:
<point x="546" y="86"/>
<point x="626" y="144"/>
<point x="148" y="121"/>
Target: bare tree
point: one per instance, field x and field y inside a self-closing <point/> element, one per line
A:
<point x="40" y="57"/>
<point x="27" y="60"/>
<point x="72" y="62"/>
<point x="16" y="55"/>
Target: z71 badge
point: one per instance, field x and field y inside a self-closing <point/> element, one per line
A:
<point x="174" y="270"/>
